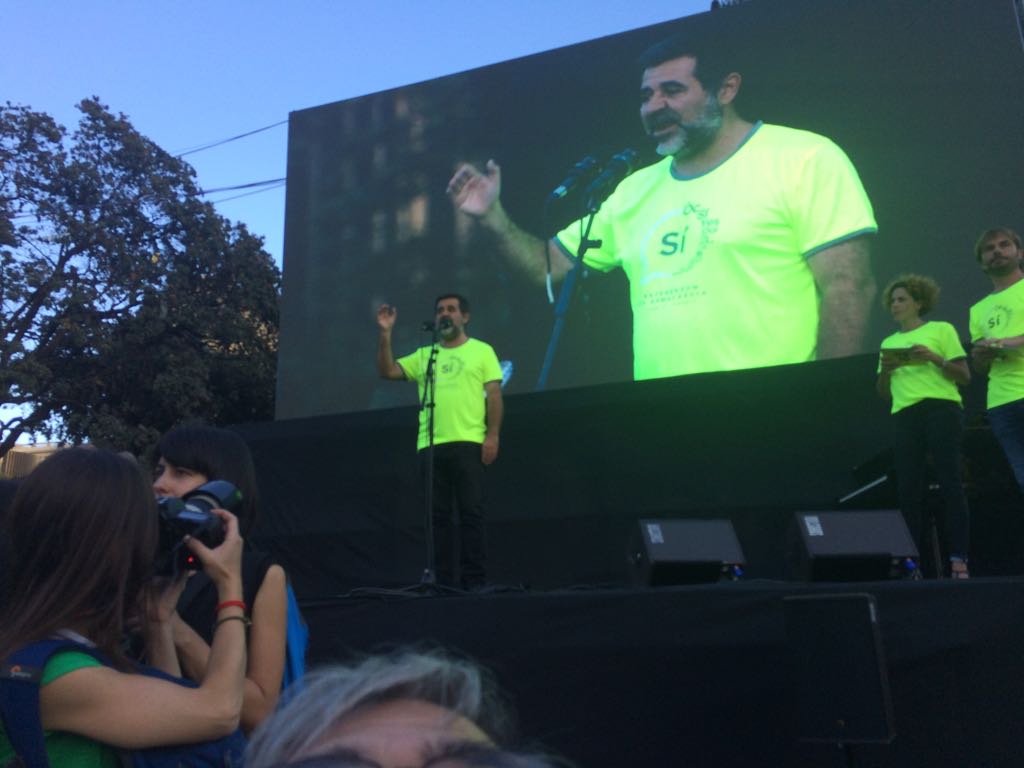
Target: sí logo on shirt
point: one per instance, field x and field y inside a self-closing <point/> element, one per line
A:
<point x="451" y="367"/>
<point x="998" y="320"/>
<point x="676" y="242"/>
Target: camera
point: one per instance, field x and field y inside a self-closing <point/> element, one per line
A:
<point x="191" y="515"/>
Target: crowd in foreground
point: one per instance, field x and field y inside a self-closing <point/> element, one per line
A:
<point x="110" y="650"/>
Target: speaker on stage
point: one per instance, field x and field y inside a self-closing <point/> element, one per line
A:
<point x="852" y="546"/>
<point x="685" y="552"/>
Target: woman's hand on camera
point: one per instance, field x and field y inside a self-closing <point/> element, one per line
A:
<point x="223" y="563"/>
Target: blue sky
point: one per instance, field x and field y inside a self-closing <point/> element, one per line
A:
<point x="190" y="73"/>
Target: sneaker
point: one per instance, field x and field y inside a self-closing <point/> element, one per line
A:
<point x="958" y="568"/>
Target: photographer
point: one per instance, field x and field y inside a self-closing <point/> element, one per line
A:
<point x="83" y="538"/>
<point x="186" y="458"/>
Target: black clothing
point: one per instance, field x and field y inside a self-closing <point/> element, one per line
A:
<point x="458" y="490"/>
<point x="198" y="603"/>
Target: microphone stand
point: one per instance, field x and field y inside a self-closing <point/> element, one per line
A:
<point x="565" y="296"/>
<point x="597" y="191"/>
<point x="429" y="577"/>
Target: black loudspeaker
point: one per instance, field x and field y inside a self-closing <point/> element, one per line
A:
<point x="685" y="552"/>
<point x="841" y="680"/>
<point x="852" y="546"/>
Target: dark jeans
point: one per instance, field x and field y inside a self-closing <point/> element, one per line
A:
<point x="458" y="489"/>
<point x="1007" y="422"/>
<point x="932" y="427"/>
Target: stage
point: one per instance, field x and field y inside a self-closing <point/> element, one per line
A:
<point x="341" y="494"/>
<point x="701" y="675"/>
<point x="614" y="675"/>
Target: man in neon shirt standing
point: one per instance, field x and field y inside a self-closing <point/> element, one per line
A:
<point x="467" y="411"/>
<point x="997" y="331"/>
<point x="746" y="246"/>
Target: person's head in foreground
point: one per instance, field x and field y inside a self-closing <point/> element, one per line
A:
<point x="405" y="709"/>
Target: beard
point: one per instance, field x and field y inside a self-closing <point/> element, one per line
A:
<point x="1003" y="267"/>
<point x="690" y="138"/>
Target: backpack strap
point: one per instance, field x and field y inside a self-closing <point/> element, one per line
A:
<point x="20" y="676"/>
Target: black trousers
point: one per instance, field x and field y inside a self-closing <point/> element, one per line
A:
<point x="932" y="427"/>
<point x="458" y="509"/>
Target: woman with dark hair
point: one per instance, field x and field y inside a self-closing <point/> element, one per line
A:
<point x="190" y="455"/>
<point x="920" y="367"/>
<point x="186" y="458"/>
<point x="83" y="536"/>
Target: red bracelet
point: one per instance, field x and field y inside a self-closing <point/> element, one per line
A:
<point x="231" y="604"/>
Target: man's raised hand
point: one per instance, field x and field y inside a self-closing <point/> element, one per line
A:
<point x="475" y="193"/>
<point x="386" y="315"/>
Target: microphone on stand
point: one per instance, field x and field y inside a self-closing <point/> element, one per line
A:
<point x="582" y="173"/>
<point x="618" y="168"/>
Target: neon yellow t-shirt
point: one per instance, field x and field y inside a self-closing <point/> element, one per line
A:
<point x="997" y="316"/>
<point x="460" y="413"/>
<point x="717" y="263"/>
<point x="913" y="383"/>
<point x="64" y="748"/>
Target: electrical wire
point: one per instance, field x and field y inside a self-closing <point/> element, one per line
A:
<point x="246" y="194"/>
<point x="212" y="144"/>
<point x="250" y="185"/>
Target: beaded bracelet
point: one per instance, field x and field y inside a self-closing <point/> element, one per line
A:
<point x="230" y="604"/>
<point x="244" y="619"/>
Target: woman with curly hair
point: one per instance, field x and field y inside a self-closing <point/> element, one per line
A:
<point x="920" y="369"/>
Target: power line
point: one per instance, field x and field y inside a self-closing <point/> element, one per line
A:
<point x="250" y="185"/>
<point x="246" y="194"/>
<point x="267" y="185"/>
<point x="201" y="147"/>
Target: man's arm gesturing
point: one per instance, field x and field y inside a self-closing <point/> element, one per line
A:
<point x="386" y="365"/>
<point x="479" y="195"/>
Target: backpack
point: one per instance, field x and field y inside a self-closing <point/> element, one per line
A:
<point x="296" y="641"/>
<point x="20" y="675"/>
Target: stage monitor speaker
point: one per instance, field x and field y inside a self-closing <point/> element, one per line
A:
<point x="852" y="546"/>
<point x="685" y="552"/>
<point x="840" y="676"/>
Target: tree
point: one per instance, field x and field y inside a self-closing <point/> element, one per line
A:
<point x="129" y="304"/>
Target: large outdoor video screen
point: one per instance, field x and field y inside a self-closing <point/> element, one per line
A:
<point x="922" y="98"/>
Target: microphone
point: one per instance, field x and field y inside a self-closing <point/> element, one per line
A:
<point x="582" y="173"/>
<point x="618" y="168"/>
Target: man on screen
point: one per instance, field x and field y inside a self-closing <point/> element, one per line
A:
<point x="746" y="246"/>
<point x="997" y="331"/>
<point x="467" y="419"/>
